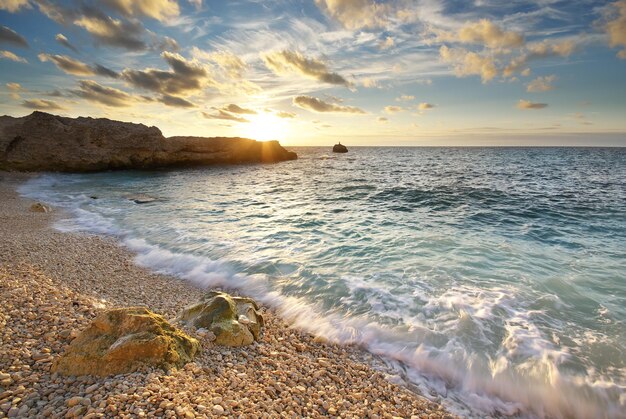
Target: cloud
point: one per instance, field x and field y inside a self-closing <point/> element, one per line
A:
<point x="357" y="14"/>
<point x="393" y="109"/>
<point x="176" y="102"/>
<point x="387" y="43"/>
<point x="14" y="87"/>
<point x="424" y="106"/>
<point x="77" y="68"/>
<point x="113" y="32"/>
<point x="225" y="116"/>
<point x="282" y="62"/>
<point x="161" y="10"/>
<point x="483" y="32"/>
<point x="370" y="83"/>
<point x="108" y="96"/>
<point x="382" y="119"/>
<point x="232" y="108"/>
<point x="62" y="39"/>
<point x="67" y="64"/>
<point x="13" y="5"/>
<point x="540" y="50"/>
<point x="58" y="13"/>
<point x="9" y="36"/>
<point x="405" y="98"/>
<point x="316" y="105"/>
<point x="186" y="77"/>
<point x="526" y="104"/>
<point x="231" y="64"/>
<point x="467" y="63"/>
<point x="46" y="105"/>
<point x="284" y="114"/>
<point x="616" y="27"/>
<point x="55" y="93"/>
<point x="541" y="84"/>
<point x="196" y="3"/>
<point x="168" y="44"/>
<point x="10" y="56"/>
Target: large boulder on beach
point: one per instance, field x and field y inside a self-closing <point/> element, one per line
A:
<point x="123" y="340"/>
<point x="235" y="321"/>
<point x="44" y="142"/>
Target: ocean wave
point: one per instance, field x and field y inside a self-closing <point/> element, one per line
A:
<point x="423" y="351"/>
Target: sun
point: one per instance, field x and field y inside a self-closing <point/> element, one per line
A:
<point x="266" y="126"/>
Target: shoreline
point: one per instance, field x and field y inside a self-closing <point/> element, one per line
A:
<point x="54" y="284"/>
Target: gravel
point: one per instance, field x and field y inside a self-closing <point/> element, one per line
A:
<point x="52" y="285"/>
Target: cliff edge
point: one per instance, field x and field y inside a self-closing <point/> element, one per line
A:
<point x="44" y="142"/>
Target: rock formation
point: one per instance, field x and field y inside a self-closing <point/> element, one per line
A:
<point x="235" y="321"/>
<point x="45" y="142"/>
<point x="340" y="148"/>
<point x="123" y="340"/>
<point x="39" y="207"/>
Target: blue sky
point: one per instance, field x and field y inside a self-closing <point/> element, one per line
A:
<point x="425" y="72"/>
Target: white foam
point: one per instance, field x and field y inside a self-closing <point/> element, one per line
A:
<point x="469" y="384"/>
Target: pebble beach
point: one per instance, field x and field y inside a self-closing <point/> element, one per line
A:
<point x="53" y="284"/>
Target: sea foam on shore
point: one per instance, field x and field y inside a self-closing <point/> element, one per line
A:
<point x="445" y="347"/>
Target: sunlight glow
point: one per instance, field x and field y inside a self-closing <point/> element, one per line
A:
<point x="266" y="126"/>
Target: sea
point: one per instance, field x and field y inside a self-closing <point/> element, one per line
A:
<point x="492" y="280"/>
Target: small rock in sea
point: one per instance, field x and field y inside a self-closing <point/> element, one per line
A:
<point x="123" y="340"/>
<point x="142" y="199"/>
<point x="39" y="207"/>
<point x="93" y="197"/>
<point x="222" y="315"/>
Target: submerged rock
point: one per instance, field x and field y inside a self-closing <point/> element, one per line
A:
<point x="141" y="199"/>
<point x="44" y="142"/>
<point x="235" y="321"/>
<point x="124" y="339"/>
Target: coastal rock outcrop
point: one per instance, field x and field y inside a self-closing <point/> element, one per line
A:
<point x="45" y="142"/>
<point x="340" y="148"/>
<point x="235" y="321"/>
<point x="124" y="339"/>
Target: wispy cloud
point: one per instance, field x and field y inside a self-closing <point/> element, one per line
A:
<point x="9" y="36"/>
<point x="62" y="39"/>
<point x="541" y="84"/>
<point x="616" y="27"/>
<point x="76" y="67"/>
<point x="526" y="104"/>
<point x="109" y="96"/>
<point x="221" y="114"/>
<point x="156" y="9"/>
<point x="14" y="5"/>
<point x="8" y="55"/>
<point x="314" y="104"/>
<point x="283" y="62"/>
<point x="42" y="104"/>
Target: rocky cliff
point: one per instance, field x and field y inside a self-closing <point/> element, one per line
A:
<point x="45" y="142"/>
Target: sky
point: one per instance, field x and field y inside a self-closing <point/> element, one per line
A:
<point x="314" y="72"/>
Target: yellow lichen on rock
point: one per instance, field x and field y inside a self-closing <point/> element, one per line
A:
<point x="235" y="321"/>
<point x="125" y="339"/>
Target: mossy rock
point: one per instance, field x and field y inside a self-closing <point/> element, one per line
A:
<point x="123" y="340"/>
<point x="235" y="321"/>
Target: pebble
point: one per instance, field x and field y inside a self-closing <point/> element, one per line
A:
<point x="53" y="284"/>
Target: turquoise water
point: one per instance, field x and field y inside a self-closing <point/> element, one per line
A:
<point x="492" y="278"/>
